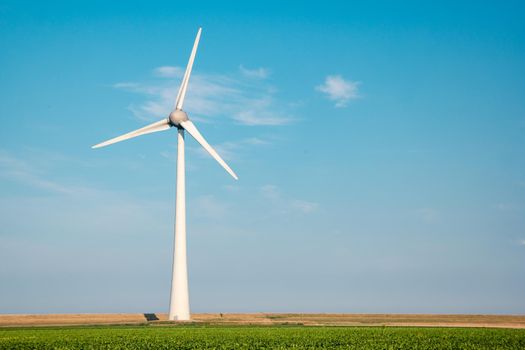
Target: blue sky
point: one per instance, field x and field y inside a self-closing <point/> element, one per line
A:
<point x="379" y="145"/>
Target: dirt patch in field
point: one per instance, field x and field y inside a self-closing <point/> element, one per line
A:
<point x="70" y="319"/>
<point x="420" y="320"/>
<point x="493" y="321"/>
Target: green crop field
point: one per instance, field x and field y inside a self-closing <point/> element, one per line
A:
<point x="246" y="337"/>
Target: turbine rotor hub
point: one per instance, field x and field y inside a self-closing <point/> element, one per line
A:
<point x="178" y="116"/>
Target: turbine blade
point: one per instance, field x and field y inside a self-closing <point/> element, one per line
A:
<point x="184" y="86"/>
<point x="154" y="127"/>
<point x="192" y="130"/>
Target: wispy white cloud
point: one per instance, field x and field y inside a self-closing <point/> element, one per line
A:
<point x="522" y="242"/>
<point x="255" y="141"/>
<point x="238" y="97"/>
<point x="21" y="171"/>
<point x="260" y="117"/>
<point x="284" y="203"/>
<point x="169" y="72"/>
<point x="304" y="206"/>
<point x="257" y="73"/>
<point x="339" y="90"/>
<point x="126" y="86"/>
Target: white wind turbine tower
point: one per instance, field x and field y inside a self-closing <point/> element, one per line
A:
<point x="179" y="301"/>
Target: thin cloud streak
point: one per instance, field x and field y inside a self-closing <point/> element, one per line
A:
<point x="283" y="203"/>
<point x="20" y="171"/>
<point x="304" y="206"/>
<point x="168" y="72"/>
<point x="257" y="73"/>
<point x="244" y="98"/>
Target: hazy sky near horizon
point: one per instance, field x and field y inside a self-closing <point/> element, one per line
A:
<point x="380" y="148"/>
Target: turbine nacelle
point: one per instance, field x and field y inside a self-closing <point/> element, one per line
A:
<point x="177" y="117"/>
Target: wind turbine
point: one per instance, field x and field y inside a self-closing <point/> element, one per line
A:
<point x="179" y="301"/>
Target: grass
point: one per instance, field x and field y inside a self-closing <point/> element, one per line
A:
<point x="259" y="337"/>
